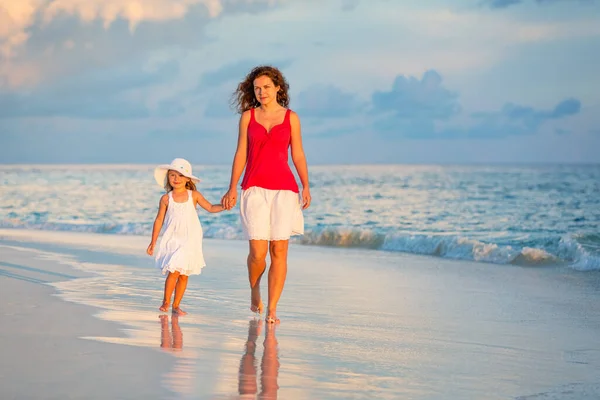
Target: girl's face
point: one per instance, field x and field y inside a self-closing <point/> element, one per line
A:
<point x="176" y="180"/>
<point x="265" y="90"/>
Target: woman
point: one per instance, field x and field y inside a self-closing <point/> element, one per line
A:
<point x="270" y="208"/>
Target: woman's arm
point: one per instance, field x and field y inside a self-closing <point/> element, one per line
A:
<point x="202" y="202"/>
<point x="299" y="158"/>
<point x="239" y="162"/>
<point x="158" y="222"/>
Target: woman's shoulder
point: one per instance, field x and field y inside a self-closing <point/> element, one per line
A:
<point x="164" y="199"/>
<point x="293" y="115"/>
<point x="246" y="114"/>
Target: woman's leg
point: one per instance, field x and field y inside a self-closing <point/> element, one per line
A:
<point x="170" y="282"/>
<point x="247" y="375"/>
<point x="257" y="262"/>
<point x="269" y="365"/>
<point x="277" y="273"/>
<point x="179" y="291"/>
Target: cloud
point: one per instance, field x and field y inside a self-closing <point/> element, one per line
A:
<point x="412" y="106"/>
<point x="218" y="106"/>
<point x="508" y="3"/>
<point x="514" y="119"/>
<point x="105" y="142"/>
<point x="533" y="117"/>
<point x="502" y="3"/>
<point x="425" y="109"/>
<point x="413" y="98"/>
<point x="235" y="72"/>
<point x="43" y="39"/>
<point x="116" y="93"/>
<point x="18" y="17"/>
<point x="327" y="102"/>
<point x="349" y="5"/>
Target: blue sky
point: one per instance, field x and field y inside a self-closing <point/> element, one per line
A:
<point x="378" y="81"/>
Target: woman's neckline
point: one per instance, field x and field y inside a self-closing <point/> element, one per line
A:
<point x="268" y="131"/>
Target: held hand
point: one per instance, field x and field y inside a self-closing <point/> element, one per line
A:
<point x="150" y="249"/>
<point x="306" y="198"/>
<point x="229" y="200"/>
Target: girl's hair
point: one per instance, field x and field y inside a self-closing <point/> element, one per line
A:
<point x="190" y="185"/>
<point x="244" y="98"/>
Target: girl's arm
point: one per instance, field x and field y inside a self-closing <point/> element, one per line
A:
<point x="202" y="202"/>
<point x="299" y="158"/>
<point x="239" y="161"/>
<point x="158" y="222"/>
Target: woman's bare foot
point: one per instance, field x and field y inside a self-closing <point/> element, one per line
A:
<point x="256" y="304"/>
<point x="272" y="317"/>
<point x="178" y="311"/>
<point x="164" y="307"/>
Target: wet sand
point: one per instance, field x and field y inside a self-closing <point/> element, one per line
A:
<point x="354" y="325"/>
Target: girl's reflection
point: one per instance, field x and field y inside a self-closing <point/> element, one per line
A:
<point x="170" y="339"/>
<point x="269" y="364"/>
<point x="182" y="378"/>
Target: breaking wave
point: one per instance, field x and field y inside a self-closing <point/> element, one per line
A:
<point x="578" y="251"/>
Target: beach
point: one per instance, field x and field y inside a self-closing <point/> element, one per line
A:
<point x="441" y="153"/>
<point x="81" y="321"/>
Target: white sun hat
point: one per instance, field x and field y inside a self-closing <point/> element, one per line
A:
<point x="180" y="165"/>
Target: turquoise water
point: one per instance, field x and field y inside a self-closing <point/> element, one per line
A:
<point x="525" y="215"/>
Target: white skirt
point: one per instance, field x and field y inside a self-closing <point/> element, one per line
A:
<point x="271" y="214"/>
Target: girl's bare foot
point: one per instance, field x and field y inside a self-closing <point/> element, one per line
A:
<point x="178" y="311"/>
<point x="257" y="308"/>
<point x="164" y="307"/>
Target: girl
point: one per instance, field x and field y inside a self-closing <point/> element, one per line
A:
<point x="270" y="205"/>
<point x="180" y="251"/>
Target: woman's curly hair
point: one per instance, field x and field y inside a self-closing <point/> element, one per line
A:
<point x="244" y="98"/>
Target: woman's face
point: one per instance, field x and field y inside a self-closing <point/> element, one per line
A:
<point x="265" y="90"/>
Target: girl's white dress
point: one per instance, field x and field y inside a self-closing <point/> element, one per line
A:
<point x="180" y="248"/>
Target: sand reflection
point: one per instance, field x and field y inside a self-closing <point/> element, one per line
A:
<point x="269" y="365"/>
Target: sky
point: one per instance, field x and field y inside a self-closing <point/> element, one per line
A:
<point x="377" y="81"/>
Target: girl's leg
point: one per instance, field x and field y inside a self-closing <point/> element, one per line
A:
<point x="179" y="291"/>
<point x="177" y="333"/>
<point x="256" y="267"/>
<point x="165" y="334"/>
<point x="277" y="273"/>
<point x="170" y="282"/>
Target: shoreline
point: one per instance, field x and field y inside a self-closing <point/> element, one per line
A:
<point x="445" y="247"/>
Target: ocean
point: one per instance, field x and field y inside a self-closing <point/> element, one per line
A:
<point x="499" y="214"/>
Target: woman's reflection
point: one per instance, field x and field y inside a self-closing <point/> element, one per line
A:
<point x="269" y="364"/>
